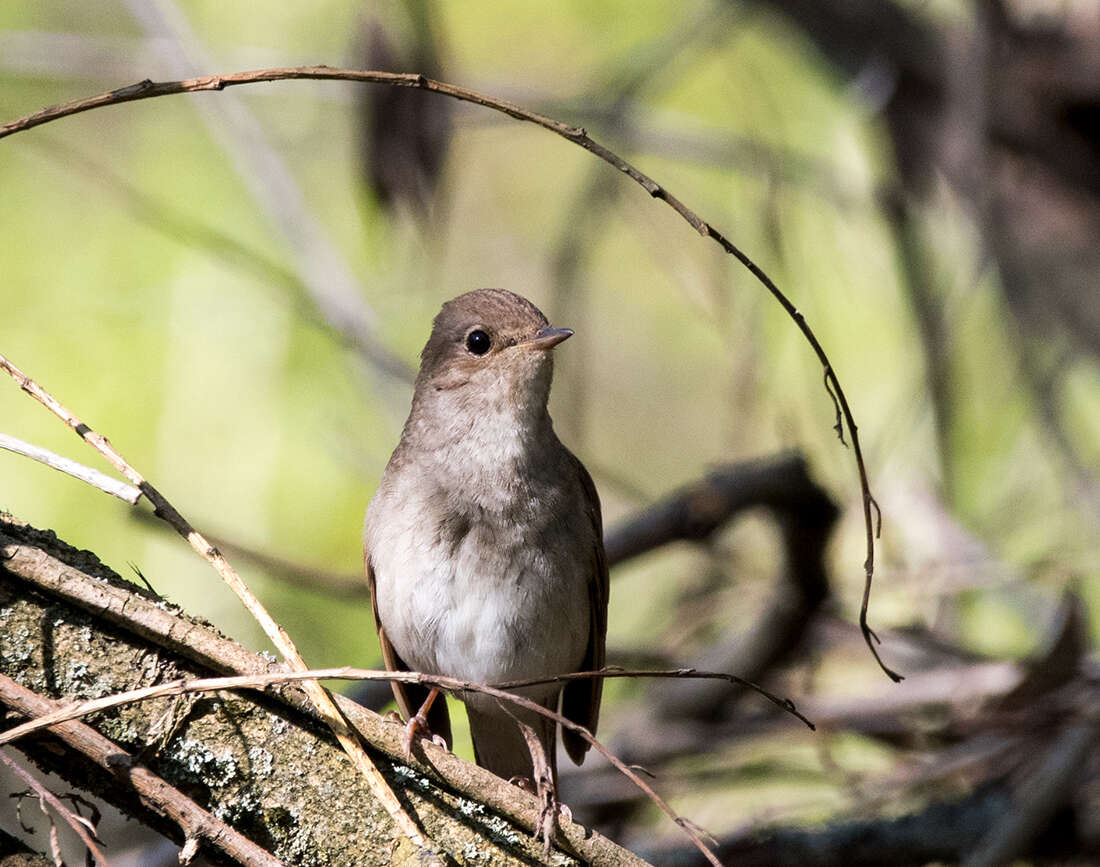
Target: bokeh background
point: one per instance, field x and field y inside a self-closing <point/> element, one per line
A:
<point x="233" y="287"/>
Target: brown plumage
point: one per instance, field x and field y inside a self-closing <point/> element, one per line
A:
<point x="484" y="546"/>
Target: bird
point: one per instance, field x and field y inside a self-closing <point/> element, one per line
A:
<point x="483" y="543"/>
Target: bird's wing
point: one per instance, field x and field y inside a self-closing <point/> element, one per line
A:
<point x="581" y="698"/>
<point x="409" y="696"/>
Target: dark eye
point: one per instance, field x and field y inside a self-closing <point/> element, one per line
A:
<point x="478" y="342"/>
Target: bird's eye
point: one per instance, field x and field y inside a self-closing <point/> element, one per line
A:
<point x="478" y="342"/>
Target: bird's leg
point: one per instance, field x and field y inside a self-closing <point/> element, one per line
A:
<point x="418" y="722"/>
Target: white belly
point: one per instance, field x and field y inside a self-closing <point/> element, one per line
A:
<point x="485" y="607"/>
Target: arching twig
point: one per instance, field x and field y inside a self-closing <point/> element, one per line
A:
<point x="147" y="89"/>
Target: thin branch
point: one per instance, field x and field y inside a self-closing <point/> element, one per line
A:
<point x="105" y="483"/>
<point x="278" y="636"/>
<point x="45" y="796"/>
<point x="784" y="704"/>
<point x="79" y="709"/>
<point x="263" y="680"/>
<point x="155" y="793"/>
<point x="147" y="89"/>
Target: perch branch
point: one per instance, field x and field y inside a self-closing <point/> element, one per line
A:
<point x="64" y="575"/>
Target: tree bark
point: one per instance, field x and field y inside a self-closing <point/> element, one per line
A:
<point x="70" y="628"/>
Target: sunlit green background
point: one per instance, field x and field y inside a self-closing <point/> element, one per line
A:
<point x="219" y="385"/>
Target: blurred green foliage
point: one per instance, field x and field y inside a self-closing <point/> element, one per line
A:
<point x="218" y="383"/>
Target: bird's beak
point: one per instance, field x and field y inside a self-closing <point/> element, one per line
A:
<point x="548" y="338"/>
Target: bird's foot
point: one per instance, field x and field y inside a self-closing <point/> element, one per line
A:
<point x="417" y="726"/>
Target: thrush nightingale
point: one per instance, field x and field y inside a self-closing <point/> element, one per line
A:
<point x="483" y="543"/>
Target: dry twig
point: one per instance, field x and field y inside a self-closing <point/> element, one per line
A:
<point x="45" y="796"/>
<point x="105" y="483"/>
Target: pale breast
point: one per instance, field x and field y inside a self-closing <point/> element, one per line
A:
<point x="480" y="595"/>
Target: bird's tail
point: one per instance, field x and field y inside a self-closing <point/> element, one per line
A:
<point x="499" y="742"/>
